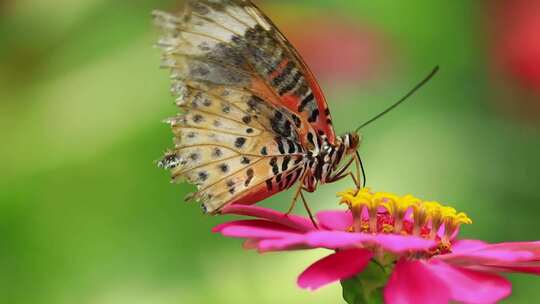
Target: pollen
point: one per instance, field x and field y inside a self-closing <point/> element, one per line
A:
<point x="382" y="212"/>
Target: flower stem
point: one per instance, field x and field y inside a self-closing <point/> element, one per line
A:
<point x="367" y="287"/>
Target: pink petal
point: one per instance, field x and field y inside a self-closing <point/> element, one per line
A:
<point x="347" y="240"/>
<point x="471" y="253"/>
<point x="523" y="269"/>
<point x="470" y="286"/>
<point x="391" y="242"/>
<point x="463" y="245"/>
<point x="468" y="245"/>
<point x="254" y="229"/>
<point x="289" y="243"/>
<point x="412" y="282"/>
<point x="400" y="243"/>
<point x="337" y="266"/>
<point x="335" y="220"/>
<point x="485" y="257"/>
<point x="292" y="221"/>
<point x="533" y="247"/>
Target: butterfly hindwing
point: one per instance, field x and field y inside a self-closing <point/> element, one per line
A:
<point x="229" y="143"/>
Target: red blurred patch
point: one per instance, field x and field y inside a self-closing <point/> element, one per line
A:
<point x="514" y="49"/>
<point x="337" y="50"/>
<point x="515" y="30"/>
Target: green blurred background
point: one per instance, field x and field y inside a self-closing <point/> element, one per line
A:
<point x="86" y="217"/>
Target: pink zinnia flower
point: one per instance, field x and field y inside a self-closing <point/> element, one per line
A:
<point x="411" y="241"/>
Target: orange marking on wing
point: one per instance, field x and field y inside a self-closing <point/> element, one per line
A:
<point x="261" y="88"/>
<point x="291" y="101"/>
<point x="279" y="69"/>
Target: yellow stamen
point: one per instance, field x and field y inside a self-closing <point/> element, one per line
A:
<point x="357" y="201"/>
<point x="452" y="223"/>
<point x="421" y="216"/>
<point x="435" y="214"/>
<point x="423" y="213"/>
<point x="397" y="207"/>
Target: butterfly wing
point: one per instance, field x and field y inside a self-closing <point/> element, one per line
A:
<point x="248" y="50"/>
<point x="249" y="102"/>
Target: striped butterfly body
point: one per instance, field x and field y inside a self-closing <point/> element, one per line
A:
<point x="255" y="122"/>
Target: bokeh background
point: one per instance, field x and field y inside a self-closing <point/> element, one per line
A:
<point x="86" y="217"/>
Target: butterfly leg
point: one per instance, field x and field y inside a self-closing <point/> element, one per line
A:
<point x="295" y="199"/>
<point x="299" y="194"/>
<point x="343" y="173"/>
<point x="306" y="205"/>
<point x="347" y="174"/>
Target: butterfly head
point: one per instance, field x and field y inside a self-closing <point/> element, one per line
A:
<point x="351" y="141"/>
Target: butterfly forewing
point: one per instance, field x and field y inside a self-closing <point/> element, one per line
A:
<point x="249" y="103"/>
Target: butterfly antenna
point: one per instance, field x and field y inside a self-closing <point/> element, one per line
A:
<point x="364" y="178"/>
<point x="399" y="102"/>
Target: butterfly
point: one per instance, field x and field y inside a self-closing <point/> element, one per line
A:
<point x="255" y="121"/>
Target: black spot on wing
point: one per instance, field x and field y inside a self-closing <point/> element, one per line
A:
<point x="240" y="142"/>
<point x="311" y="138"/>
<point x="203" y="175"/>
<point x="226" y="109"/>
<point x="269" y="184"/>
<point x="307" y="100"/>
<point x="292" y="84"/>
<point x="297" y="121"/>
<point x="230" y="185"/>
<point x="285" y="164"/>
<point x="198" y="118"/>
<point x="194" y="156"/>
<point x="292" y="146"/>
<point x="224" y="168"/>
<point x="314" y="114"/>
<point x="217" y="153"/>
<point x="207" y="102"/>
<point x="281" y="147"/>
<point x="273" y="164"/>
<point x="249" y="174"/>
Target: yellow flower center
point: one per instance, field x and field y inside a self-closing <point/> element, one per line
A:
<point x="381" y="212"/>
